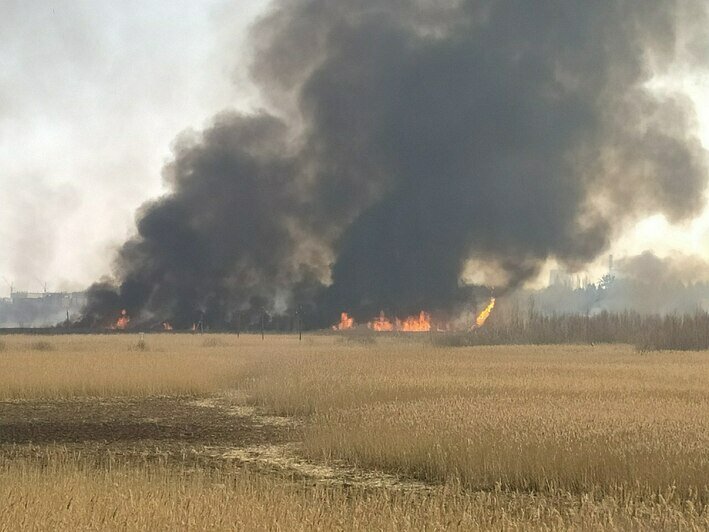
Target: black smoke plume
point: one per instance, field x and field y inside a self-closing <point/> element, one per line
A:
<point x="403" y="139"/>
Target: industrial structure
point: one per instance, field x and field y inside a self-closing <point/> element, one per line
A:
<point x="40" y="309"/>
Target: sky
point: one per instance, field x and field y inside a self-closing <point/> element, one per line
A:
<point x="94" y="93"/>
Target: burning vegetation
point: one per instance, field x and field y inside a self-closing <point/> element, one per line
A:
<point x="418" y="323"/>
<point x="381" y="323"/>
<point x="345" y="324"/>
<point x="122" y="321"/>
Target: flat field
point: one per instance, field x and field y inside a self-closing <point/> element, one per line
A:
<point x="342" y="432"/>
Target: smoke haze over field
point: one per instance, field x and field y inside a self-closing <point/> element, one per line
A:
<point x="644" y="283"/>
<point x="399" y="140"/>
<point x="678" y="268"/>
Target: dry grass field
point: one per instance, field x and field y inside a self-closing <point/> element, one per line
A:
<point x="218" y="432"/>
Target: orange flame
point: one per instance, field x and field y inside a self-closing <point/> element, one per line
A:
<point x="381" y="323"/>
<point x="167" y="326"/>
<point x="485" y="314"/>
<point x="122" y="321"/>
<point x="420" y="323"/>
<point x="345" y="323"/>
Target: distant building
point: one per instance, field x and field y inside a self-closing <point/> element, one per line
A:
<point x="40" y="309"/>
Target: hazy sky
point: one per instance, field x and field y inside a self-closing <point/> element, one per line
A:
<point x="92" y="93"/>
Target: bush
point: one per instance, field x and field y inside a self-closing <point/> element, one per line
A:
<point x="141" y="345"/>
<point x="213" y="342"/>
<point x="41" y="345"/>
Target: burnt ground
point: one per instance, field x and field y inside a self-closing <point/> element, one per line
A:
<point x="190" y="431"/>
<point x="128" y="420"/>
<point x="217" y="432"/>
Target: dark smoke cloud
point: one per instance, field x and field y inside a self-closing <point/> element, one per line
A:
<point x="226" y="235"/>
<point x="405" y="138"/>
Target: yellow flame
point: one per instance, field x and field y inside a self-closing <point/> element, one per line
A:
<point x="485" y="314"/>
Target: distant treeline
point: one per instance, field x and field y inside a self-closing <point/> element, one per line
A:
<point x="646" y="332"/>
<point x="617" y="295"/>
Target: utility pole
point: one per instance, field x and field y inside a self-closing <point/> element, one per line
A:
<point x="300" y="324"/>
<point x="263" y="317"/>
<point x="11" y="285"/>
<point x="238" y="324"/>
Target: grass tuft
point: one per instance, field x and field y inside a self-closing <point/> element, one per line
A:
<point x="41" y="345"/>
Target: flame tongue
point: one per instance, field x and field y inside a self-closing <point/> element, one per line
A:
<point x="485" y="314"/>
<point x="345" y="323"/>
<point x="381" y="323"/>
<point x="420" y="323"/>
<point x="122" y="321"/>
